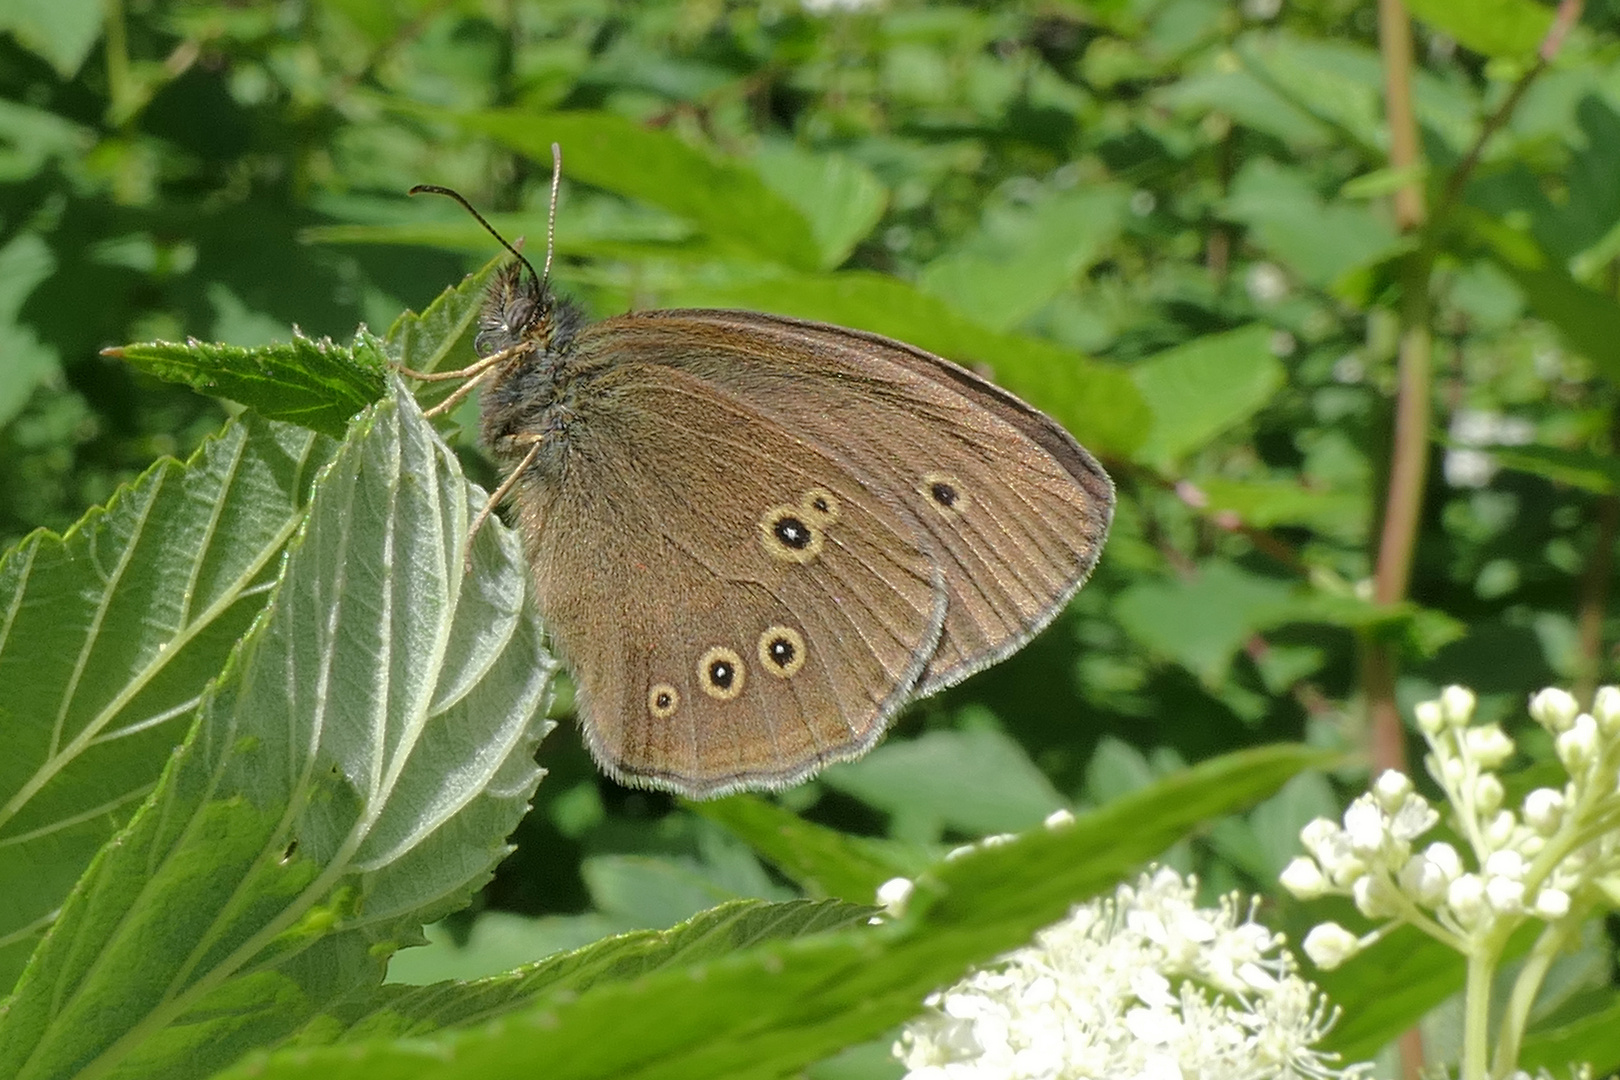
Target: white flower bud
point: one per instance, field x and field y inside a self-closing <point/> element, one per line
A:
<point x="1553" y="709"/>
<point x="1329" y="945"/>
<point x="1453" y="772"/>
<point x="1429" y="717"/>
<point x="1499" y="829"/>
<point x="893" y="894"/>
<point x="1505" y="895"/>
<point x="1365" y="824"/>
<point x="1457" y="702"/>
<point x="1423" y="881"/>
<point x="1344" y="872"/>
<point x="1444" y="858"/>
<point x="1544" y="810"/>
<point x="1488" y="745"/>
<point x="1466" y="897"/>
<point x="1392" y="787"/>
<point x="1606" y="709"/>
<point x="1373" y="898"/>
<point x="1487" y="793"/>
<point x="1552" y="904"/>
<point x="1058" y="819"/>
<point x="1318" y="834"/>
<point x="1303" y="878"/>
<point x="1506" y="863"/>
<point x="1578" y="745"/>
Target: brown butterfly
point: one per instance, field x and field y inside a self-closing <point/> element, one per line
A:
<point x="755" y="538"/>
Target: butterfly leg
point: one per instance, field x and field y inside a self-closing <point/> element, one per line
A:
<point x="457" y="395"/>
<point x="471" y="376"/>
<point x="505" y="489"/>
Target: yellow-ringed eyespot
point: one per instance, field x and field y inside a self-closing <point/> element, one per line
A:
<point x="781" y="651"/>
<point x="721" y="673"/>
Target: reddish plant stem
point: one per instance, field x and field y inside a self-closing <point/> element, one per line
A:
<point x="1409" y="458"/>
<point x="1410" y="453"/>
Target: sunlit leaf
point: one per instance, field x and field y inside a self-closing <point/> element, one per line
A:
<point x="352" y="775"/>
<point x="727" y="200"/>
<point x="316" y="384"/>
<point x="1202" y="388"/>
<point x="1513" y="28"/>
<point x="110" y="635"/>
<point x="770" y="1010"/>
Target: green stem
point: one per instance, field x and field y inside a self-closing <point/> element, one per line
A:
<point x="119" y="88"/>
<point x="1477" y="1014"/>
<point x="1516" y="1016"/>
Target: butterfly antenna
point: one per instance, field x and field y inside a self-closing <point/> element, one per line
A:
<point x="435" y="189"/>
<point x="551" y="218"/>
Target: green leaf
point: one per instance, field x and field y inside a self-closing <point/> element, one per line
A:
<point x="316" y="384"/>
<point x="1023" y="255"/>
<point x="61" y="31"/>
<point x="352" y="775"/>
<point x="1322" y="242"/>
<point x="1598" y="473"/>
<point x="708" y="936"/>
<point x="728" y="201"/>
<point x="822" y="861"/>
<point x="440" y="338"/>
<point x="1098" y="403"/>
<point x="1385" y="989"/>
<point x="109" y="636"/>
<point x="24" y="263"/>
<point x="32" y="138"/>
<point x="979" y="782"/>
<point x="1586" y="319"/>
<point x="1589" y="1039"/>
<point x="1266" y="504"/>
<point x="1202" y="388"/>
<point x="773" y="1009"/>
<point x="1248" y="101"/>
<point x="838" y="196"/>
<point x="1200" y="623"/>
<point x="1511" y="28"/>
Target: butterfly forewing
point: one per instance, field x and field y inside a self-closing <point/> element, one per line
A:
<point x="1015" y="511"/>
<point x="738" y="607"/>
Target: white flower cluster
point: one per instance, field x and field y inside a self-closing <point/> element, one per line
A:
<point x="1558" y="853"/>
<point x="1145" y="985"/>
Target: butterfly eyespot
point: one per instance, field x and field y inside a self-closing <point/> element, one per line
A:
<point x="820" y="506"/>
<point x="721" y="673"/>
<point x="781" y="651"/>
<point x="945" y="492"/>
<point x="788" y="534"/>
<point x="662" y="701"/>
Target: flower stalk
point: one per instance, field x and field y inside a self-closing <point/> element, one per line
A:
<point x="1554" y="860"/>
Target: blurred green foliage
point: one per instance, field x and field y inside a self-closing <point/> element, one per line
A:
<point x="1164" y="221"/>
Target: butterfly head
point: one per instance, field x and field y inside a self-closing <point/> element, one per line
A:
<point x="522" y="314"/>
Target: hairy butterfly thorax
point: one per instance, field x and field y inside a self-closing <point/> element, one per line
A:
<point x="529" y="392"/>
